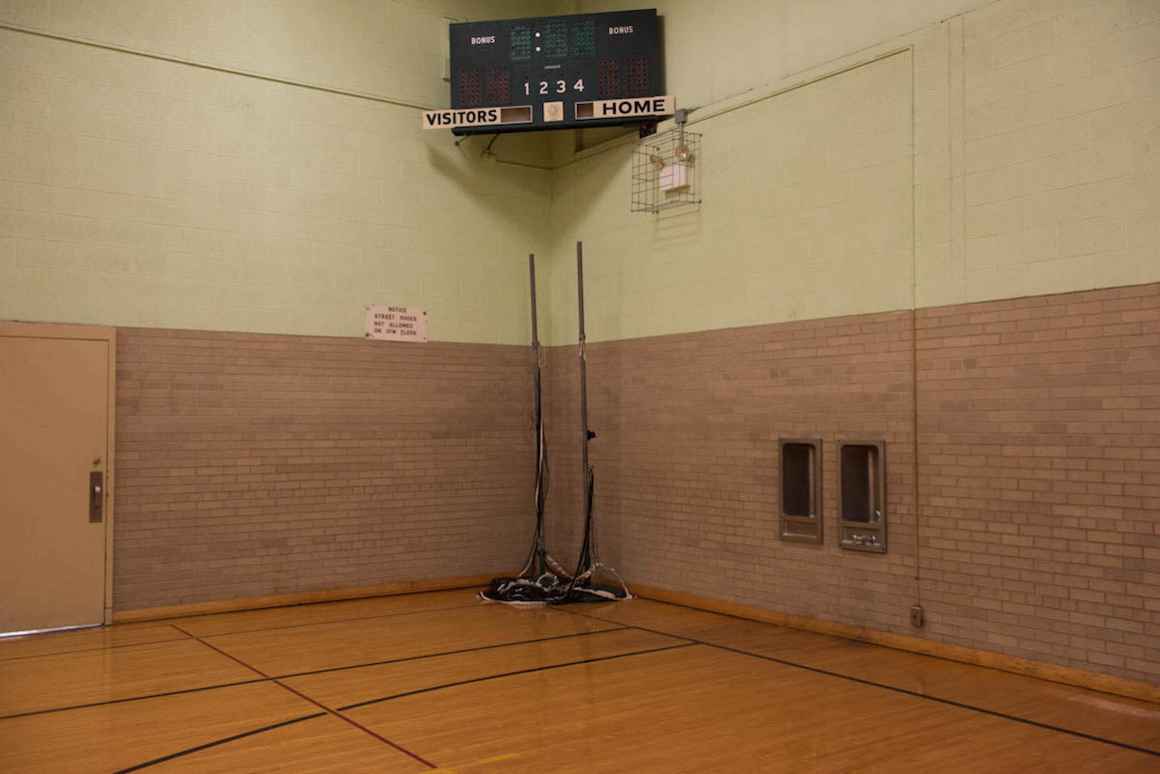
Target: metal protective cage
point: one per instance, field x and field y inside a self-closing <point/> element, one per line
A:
<point x="666" y="171"/>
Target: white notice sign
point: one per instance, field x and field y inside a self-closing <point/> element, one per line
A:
<point x="396" y="323"/>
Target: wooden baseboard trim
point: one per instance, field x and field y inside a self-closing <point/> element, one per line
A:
<point x="1079" y="678"/>
<point x="301" y="598"/>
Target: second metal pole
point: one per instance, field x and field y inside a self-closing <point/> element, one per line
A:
<point x="585" y="434"/>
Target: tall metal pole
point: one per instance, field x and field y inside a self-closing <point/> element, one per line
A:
<point x="585" y="433"/>
<point x="540" y="561"/>
<point x="584" y="583"/>
<point x="536" y="406"/>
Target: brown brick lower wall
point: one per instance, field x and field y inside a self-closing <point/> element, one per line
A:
<point x="1038" y="469"/>
<point x="1040" y="477"/>
<point x="252" y="465"/>
<point x="686" y="459"/>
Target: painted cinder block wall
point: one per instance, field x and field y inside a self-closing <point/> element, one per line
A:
<point x="1006" y="151"/>
<point x="151" y="193"/>
<point x="983" y="177"/>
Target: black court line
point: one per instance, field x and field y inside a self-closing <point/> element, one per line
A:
<point x="186" y="636"/>
<point x="265" y="678"/>
<point x="216" y="742"/>
<point x="528" y="671"/>
<point x="328" y="710"/>
<point x="274" y="726"/>
<point x="289" y="605"/>
<point x="89" y="650"/>
<point x="614" y="628"/>
<point x="895" y="648"/>
<point x="324" y="623"/>
<point x="275" y="678"/>
<point x="127" y="699"/>
<point x="118" y="648"/>
<point x="896" y="689"/>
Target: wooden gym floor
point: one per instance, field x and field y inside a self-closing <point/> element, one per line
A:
<point x="438" y="680"/>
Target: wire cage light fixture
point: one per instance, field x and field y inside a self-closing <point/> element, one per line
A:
<point x="665" y="170"/>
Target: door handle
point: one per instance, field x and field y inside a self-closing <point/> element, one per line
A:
<point x="96" y="497"/>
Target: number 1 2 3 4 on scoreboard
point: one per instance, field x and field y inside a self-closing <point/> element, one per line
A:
<point x="554" y="72"/>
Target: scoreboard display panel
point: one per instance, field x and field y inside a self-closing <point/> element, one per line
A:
<point x="554" y="72"/>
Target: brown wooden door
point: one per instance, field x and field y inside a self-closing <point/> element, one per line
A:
<point x="54" y="435"/>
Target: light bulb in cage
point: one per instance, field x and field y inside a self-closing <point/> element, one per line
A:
<point x="664" y="173"/>
<point x="674" y="177"/>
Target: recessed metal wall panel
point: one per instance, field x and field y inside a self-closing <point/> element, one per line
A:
<point x="862" y="496"/>
<point x="800" y="490"/>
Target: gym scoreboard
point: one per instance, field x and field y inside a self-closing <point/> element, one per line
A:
<point x="554" y="72"/>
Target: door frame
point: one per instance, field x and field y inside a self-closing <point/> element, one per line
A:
<point x="11" y="329"/>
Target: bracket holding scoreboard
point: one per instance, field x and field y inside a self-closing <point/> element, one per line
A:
<point x="555" y="72"/>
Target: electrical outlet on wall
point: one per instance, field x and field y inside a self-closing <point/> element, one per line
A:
<point x="917" y="617"/>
